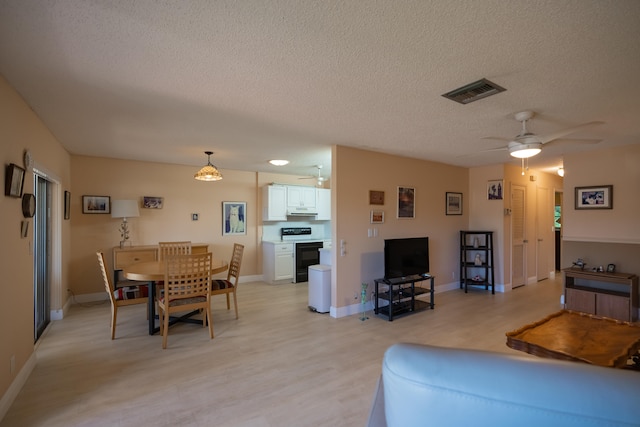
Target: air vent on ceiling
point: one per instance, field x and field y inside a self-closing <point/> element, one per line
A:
<point x="474" y="91"/>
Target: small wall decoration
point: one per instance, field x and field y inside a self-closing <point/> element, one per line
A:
<point x="96" y="204"/>
<point x="67" y="205"/>
<point x="233" y="218"/>
<point x="376" y="197"/>
<point x="377" y="217"/>
<point x="406" y="202"/>
<point x="453" y="203"/>
<point x="594" y="197"/>
<point x="152" y="202"/>
<point x="24" y="229"/>
<point x="14" y="181"/>
<point x="28" y="205"/>
<point x="495" y="190"/>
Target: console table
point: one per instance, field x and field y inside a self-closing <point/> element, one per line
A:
<point x="613" y="295"/>
<point x="401" y="295"/>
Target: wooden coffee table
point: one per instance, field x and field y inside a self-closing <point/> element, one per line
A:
<point x="572" y="335"/>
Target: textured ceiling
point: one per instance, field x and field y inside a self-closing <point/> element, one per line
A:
<point x="254" y="80"/>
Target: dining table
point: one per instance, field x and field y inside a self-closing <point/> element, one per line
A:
<point x="154" y="271"/>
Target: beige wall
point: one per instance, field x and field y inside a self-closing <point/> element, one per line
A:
<point x="355" y="172"/>
<point x="183" y="195"/>
<point x="619" y="167"/>
<point x="601" y="237"/>
<point x="20" y="129"/>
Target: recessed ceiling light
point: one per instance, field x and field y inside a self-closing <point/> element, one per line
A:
<point x="279" y="162"/>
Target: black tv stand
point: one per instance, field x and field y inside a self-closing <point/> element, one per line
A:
<point x="401" y="293"/>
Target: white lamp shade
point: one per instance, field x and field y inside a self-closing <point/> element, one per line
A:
<point x="124" y="209"/>
<point x="524" y="151"/>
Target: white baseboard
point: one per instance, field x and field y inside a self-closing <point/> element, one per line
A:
<point x="16" y="385"/>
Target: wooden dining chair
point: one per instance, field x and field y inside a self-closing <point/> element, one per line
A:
<point x="128" y="295"/>
<point x="166" y="249"/>
<point x="187" y="285"/>
<point x="230" y="284"/>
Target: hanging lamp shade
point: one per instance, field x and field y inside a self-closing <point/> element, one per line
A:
<point x="209" y="172"/>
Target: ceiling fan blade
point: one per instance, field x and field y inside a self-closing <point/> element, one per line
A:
<point x="568" y="141"/>
<point x="548" y="138"/>
<point x="496" y="138"/>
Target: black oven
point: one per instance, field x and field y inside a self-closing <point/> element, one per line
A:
<point x="306" y="254"/>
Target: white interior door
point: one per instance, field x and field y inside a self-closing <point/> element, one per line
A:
<point x="518" y="237"/>
<point x="544" y="233"/>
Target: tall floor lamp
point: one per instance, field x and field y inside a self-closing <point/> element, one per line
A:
<point x="124" y="209"/>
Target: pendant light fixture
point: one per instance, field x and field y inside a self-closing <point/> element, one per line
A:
<point x="209" y="172"/>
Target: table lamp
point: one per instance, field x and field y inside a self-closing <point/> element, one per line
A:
<point x="124" y="209"/>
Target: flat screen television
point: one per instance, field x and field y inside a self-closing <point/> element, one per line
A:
<point x="406" y="257"/>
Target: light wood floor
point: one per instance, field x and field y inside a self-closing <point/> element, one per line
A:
<point x="277" y="365"/>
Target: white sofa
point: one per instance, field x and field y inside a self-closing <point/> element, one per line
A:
<point x="424" y="385"/>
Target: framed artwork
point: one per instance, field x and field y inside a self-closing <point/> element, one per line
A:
<point x="152" y="202"/>
<point x="233" y="218"/>
<point x="453" y="203"/>
<point x="67" y="205"/>
<point x="376" y="197"/>
<point x="96" y="204"/>
<point x="406" y="202"/>
<point x="495" y="190"/>
<point x="14" y="181"/>
<point x="594" y="197"/>
<point x="377" y="217"/>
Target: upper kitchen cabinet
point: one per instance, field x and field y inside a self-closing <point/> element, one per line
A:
<point x="323" y="204"/>
<point x="301" y="197"/>
<point x="274" y="203"/>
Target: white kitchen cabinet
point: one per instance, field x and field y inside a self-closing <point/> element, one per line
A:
<point x="301" y="197"/>
<point x="323" y="204"/>
<point x="277" y="262"/>
<point x="274" y="203"/>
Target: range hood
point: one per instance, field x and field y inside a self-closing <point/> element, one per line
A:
<point x="300" y="211"/>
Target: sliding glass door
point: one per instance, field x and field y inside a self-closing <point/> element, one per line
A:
<point x="42" y="256"/>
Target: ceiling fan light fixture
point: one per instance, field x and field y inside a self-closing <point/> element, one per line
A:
<point x="524" y="151"/>
<point x="208" y="172"/>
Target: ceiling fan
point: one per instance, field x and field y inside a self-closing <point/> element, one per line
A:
<point x="320" y="179"/>
<point x="528" y="144"/>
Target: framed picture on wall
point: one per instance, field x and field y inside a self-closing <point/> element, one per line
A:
<point x="406" y="202"/>
<point x="377" y="217"/>
<point x="149" y="202"/>
<point x="376" y="197"/>
<point x="96" y="204"/>
<point x="234" y="218"/>
<point x="453" y="203"/>
<point x="495" y="189"/>
<point x="594" y="197"/>
<point x="14" y="181"/>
